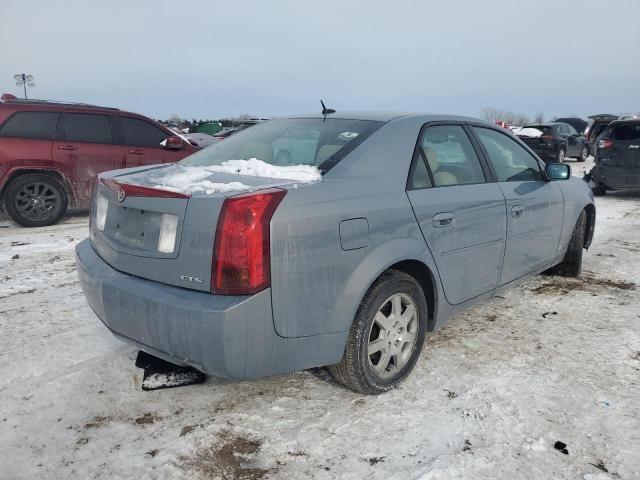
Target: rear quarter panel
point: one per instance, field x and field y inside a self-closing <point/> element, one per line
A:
<point x="317" y="285"/>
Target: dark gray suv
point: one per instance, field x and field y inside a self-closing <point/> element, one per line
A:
<point x="617" y="159"/>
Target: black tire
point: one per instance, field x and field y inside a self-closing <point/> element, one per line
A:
<point x="571" y="265"/>
<point x="584" y="153"/>
<point x="599" y="190"/>
<point x="35" y="200"/>
<point x="356" y="370"/>
<point x="561" y="155"/>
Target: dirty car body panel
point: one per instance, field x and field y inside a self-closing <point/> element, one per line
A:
<point x="328" y="243"/>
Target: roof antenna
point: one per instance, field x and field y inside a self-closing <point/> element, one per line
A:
<point x="326" y="111"/>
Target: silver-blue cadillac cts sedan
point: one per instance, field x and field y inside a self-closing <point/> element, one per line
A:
<point x="332" y="240"/>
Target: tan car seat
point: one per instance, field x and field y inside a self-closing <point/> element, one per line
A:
<point x="441" y="178"/>
<point x="325" y="152"/>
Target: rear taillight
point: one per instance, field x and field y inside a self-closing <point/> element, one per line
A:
<point x="547" y="137"/>
<point x="605" y="143"/>
<point x="241" y="257"/>
<point x="124" y="190"/>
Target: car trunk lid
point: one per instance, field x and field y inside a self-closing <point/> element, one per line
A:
<point x="144" y="207"/>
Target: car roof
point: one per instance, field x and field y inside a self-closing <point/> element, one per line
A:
<point x="387" y="116"/>
<point x="54" y="104"/>
<point x="58" y="106"/>
<point x="625" y="121"/>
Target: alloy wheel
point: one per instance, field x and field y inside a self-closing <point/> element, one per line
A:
<point x="37" y="201"/>
<point x="393" y="335"/>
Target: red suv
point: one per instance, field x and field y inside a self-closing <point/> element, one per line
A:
<point x="50" y="154"/>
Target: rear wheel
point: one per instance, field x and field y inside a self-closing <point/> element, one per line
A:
<point x="571" y="265"/>
<point x="562" y="154"/>
<point x="583" y="154"/>
<point x="386" y="336"/>
<point x="35" y="200"/>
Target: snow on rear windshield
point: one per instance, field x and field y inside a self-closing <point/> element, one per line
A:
<point x="259" y="168"/>
<point x="292" y="142"/>
<point x="192" y="180"/>
<point x="532" y="131"/>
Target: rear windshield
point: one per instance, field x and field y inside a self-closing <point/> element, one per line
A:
<point x="628" y="132"/>
<point x="300" y="141"/>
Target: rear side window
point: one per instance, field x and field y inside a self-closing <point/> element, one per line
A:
<point x="83" y="127"/>
<point x="138" y="133"/>
<point x="37" y="125"/>
<point x="628" y="133"/>
<point x="511" y="162"/>
<point x="450" y="156"/>
<point x="290" y="141"/>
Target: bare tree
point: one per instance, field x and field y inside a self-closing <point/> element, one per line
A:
<point x="493" y="115"/>
<point x="539" y="118"/>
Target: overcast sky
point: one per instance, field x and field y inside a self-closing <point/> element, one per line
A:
<point x="217" y="58"/>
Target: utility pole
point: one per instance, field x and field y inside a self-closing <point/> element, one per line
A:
<point x="24" y="80"/>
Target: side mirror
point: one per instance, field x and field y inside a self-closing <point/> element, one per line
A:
<point x="172" y="143"/>
<point x="557" y="171"/>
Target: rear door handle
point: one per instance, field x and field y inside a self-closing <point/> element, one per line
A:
<point x="66" y="147"/>
<point x="136" y="152"/>
<point x="446" y="219"/>
<point x="517" y="211"/>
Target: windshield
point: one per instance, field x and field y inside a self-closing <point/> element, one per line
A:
<point x="300" y="141"/>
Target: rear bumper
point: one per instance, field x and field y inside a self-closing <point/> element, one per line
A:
<point x="546" y="153"/>
<point x="227" y="336"/>
<point x="614" y="176"/>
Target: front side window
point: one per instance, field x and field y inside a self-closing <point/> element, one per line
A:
<point x="84" y="127"/>
<point x="511" y="162"/>
<point x="138" y="133"/>
<point x="450" y="156"/>
<point x="290" y="141"/>
<point x="36" y="125"/>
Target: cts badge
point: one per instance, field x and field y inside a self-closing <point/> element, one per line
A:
<point x="188" y="278"/>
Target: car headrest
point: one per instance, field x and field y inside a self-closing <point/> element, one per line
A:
<point x="325" y="152"/>
<point x="261" y="151"/>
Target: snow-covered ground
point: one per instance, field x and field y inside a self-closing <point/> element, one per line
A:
<point x="551" y="360"/>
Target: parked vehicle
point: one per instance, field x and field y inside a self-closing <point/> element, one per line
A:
<point x="617" y="160"/>
<point x="579" y="124"/>
<point x="51" y="153"/>
<point x="200" y="139"/>
<point x="407" y="220"/>
<point x="222" y="134"/>
<point x="251" y="122"/>
<point x="555" y="142"/>
<point x="597" y="126"/>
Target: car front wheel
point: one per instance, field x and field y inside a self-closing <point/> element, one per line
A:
<point x="386" y="336"/>
<point x="571" y="264"/>
<point x="35" y="200"/>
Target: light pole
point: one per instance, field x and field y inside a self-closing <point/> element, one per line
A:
<point x="24" y="80"/>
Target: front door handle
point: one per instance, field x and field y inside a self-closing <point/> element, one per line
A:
<point x="517" y="211"/>
<point x="442" y="220"/>
<point x="136" y="152"/>
<point x="66" y="147"/>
